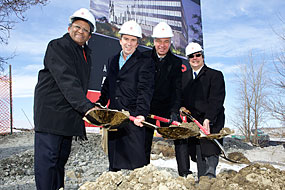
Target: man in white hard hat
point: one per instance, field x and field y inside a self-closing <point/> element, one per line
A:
<point x="60" y="100"/>
<point x="128" y="86"/>
<point x="167" y="93"/>
<point x="203" y="94"/>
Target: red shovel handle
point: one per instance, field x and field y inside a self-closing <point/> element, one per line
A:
<point x="200" y="126"/>
<point x="162" y="119"/>
<point x="187" y="113"/>
<point x="132" y="118"/>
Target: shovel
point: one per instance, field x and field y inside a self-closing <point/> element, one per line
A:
<point x="112" y="119"/>
<point x="187" y="113"/>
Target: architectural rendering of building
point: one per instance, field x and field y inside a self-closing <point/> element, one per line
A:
<point x="148" y="13"/>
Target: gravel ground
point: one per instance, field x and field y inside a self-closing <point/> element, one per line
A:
<point x="86" y="162"/>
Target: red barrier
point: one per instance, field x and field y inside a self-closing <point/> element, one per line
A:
<point x="5" y="105"/>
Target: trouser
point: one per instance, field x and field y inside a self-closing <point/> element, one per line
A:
<point x="148" y="143"/>
<point x="184" y="149"/>
<point x="206" y="165"/>
<point x="50" y="157"/>
<point x="149" y="137"/>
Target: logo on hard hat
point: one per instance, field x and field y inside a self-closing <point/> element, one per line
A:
<point x="131" y="28"/>
<point x="82" y="13"/>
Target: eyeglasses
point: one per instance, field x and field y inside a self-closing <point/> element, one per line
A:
<point x="194" y="55"/>
<point x="77" y="27"/>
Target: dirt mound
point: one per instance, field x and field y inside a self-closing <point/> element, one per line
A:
<point x="252" y="177"/>
<point x="239" y="157"/>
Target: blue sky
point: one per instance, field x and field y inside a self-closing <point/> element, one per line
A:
<point x="231" y="29"/>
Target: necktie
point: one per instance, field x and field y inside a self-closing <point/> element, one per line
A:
<point x="84" y="55"/>
<point x="195" y="75"/>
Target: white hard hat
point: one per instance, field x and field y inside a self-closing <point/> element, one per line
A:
<point x="86" y="15"/>
<point x="192" y="48"/>
<point x="131" y="28"/>
<point x="162" y="30"/>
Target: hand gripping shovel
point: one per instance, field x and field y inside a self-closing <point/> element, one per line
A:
<point x="176" y="130"/>
<point x="111" y="119"/>
<point x="185" y="112"/>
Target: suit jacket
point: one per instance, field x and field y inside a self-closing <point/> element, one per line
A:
<point x="60" y="95"/>
<point x="131" y="89"/>
<point x="204" y="97"/>
<point x="167" y="93"/>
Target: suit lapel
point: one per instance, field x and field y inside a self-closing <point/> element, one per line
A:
<point x="203" y="71"/>
<point x="129" y="63"/>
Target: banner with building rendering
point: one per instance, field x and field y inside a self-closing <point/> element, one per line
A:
<point x="184" y="17"/>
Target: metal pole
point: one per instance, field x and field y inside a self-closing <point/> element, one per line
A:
<point x="28" y="119"/>
<point x="11" y="105"/>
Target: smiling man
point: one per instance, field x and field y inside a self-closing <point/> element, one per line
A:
<point x="203" y="94"/>
<point x="60" y="100"/>
<point x="128" y="86"/>
<point x="167" y="92"/>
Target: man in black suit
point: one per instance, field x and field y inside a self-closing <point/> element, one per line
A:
<point x="128" y="86"/>
<point x="203" y="94"/>
<point x="167" y="92"/>
<point x="60" y="100"/>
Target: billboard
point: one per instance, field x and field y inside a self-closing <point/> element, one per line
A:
<point x="184" y="17"/>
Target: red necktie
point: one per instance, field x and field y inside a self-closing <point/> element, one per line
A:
<point x="84" y="55"/>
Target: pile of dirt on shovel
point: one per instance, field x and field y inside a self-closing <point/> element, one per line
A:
<point x="252" y="177"/>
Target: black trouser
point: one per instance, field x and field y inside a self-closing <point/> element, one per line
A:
<point x="206" y="165"/>
<point x="183" y="150"/>
<point x="148" y="143"/>
<point x="51" y="155"/>
<point x="149" y="137"/>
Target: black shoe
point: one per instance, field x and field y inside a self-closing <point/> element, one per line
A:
<point x="186" y="174"/>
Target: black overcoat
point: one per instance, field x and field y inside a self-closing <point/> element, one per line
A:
<point x="204" y="97"/>
<point x="60" y="95"/>
<point x="167" y="93"/>
<point x="130" y="89"/>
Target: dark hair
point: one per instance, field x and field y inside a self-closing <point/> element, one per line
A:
<point x="78" y="18"/>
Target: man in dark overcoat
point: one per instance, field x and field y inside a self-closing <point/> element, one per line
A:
<point x="60" y="100"/>
<point x="203" y="94"/>
<point x="128" y="86"/>
<point x="167" y="92"/>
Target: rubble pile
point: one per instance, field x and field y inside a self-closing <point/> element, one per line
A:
<point x="146" y="178"/>
<point x="88" y="165"/>
<point x="252" y="177"/>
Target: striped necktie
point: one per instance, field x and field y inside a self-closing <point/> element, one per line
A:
<point x="195" y="75"/>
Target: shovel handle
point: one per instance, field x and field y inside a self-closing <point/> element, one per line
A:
<point x="162" y="119"/>
<point x="132" y="118"/>
<point x="200" y="126"/>
<point x="185" y="112"/>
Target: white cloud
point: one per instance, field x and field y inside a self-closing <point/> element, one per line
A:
<point x="224" y="10"/>
<point x="240" y="26"/>
<point x="23" y="85"/>
<point x="225" y="68"/>
<point x="235" y="40"/>
<point x="33" y="67"/>
<point x="24" y="80"/>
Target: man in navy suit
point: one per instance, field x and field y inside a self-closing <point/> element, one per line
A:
<point x="128" y="86"/>
<point x="203" y="94"/>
